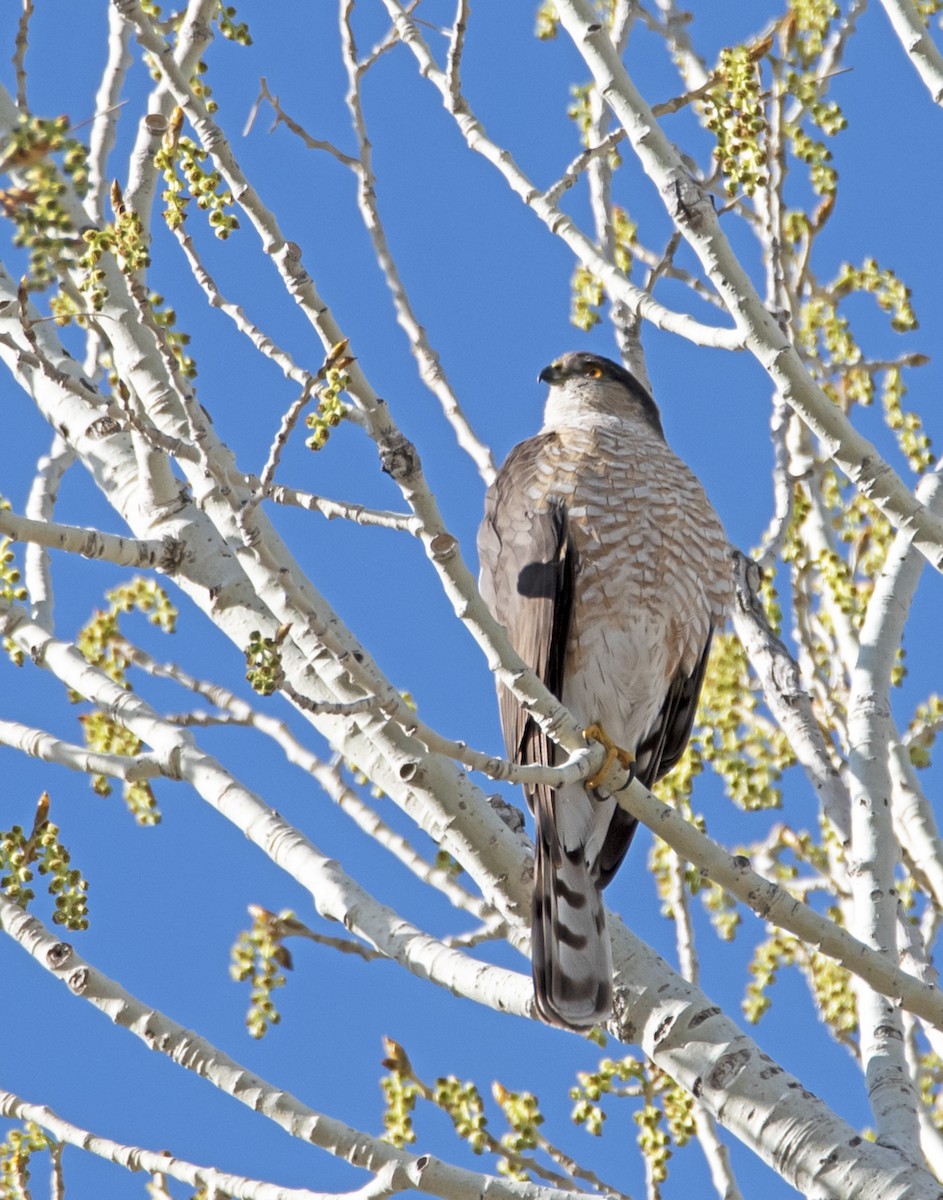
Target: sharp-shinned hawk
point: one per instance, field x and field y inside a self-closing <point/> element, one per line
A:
<point x="604" y="560"/>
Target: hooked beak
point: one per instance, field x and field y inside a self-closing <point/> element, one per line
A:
<point x="551" y="374"/>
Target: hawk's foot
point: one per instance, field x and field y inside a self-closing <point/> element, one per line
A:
<point x="596" y="733"/>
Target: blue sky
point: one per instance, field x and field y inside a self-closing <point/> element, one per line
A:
<point x="491" y="286"/>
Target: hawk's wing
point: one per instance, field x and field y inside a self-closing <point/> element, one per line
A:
<point x="527" y="568"/>
<point x="657" y="753"/>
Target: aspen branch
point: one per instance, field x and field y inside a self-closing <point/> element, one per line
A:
<point x="104" y="126"/>
<point x="40" y="506"/>
<point x="918" y="44"/>
<point x="38" y="743"/>
<point x="161" y="554"/>
<point x="136" y="1158"/>
<point x="873" y="851"/>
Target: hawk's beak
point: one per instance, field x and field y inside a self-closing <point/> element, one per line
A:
<point x="551" y="374"/>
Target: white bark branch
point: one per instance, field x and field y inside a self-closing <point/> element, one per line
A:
<point x="915" y="37"/>
<point x="160" y="554"/>
<point x="136" y="1158"/>
<point x="38" y="743"/>
<point x="873" y="851"/>
<point x="40" y="506"/>
<point x="104" y="125"/>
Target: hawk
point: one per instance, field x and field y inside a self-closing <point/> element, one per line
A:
<point x="604" y="560"/>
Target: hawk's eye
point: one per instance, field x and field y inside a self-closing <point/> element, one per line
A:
<point x="592" y="371"/>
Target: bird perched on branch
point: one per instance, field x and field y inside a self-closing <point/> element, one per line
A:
<point x="604" y="560"/>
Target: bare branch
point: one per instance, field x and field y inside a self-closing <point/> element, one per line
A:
<point x="136" y="1158"/>
<point x="104" y="125"/>
<point x="161" y="554"/>
<point x="19" y="55"/>
<point x="918" y="44"/>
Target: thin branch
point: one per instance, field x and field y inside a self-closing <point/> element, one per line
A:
<point x="333" y="509"/>
<point x="104" y="125"/>
<point x="915" y="824"/>
<point x="786" y="697"/>
<point x="427" y="359"/>
<point x="19" y="55"/>
<point x="288" y="422"/>
<point x="259" y="339"/>
<point x="136" y="1158"/>
<point x="577" y="167"/>
<point x="453" y="69"/>
<point x="162" y="554"/>
<point x="336" y="358"/>
<point x="783" y="490"/>
<point x="313" y="143"/>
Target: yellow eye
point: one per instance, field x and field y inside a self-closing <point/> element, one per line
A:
<point x="594" y="372"/>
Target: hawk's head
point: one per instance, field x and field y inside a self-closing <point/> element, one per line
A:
<point x="582" y="383"/>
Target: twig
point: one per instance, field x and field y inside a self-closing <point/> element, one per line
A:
<point x="19" y="55"/>
<point x="336" y="358"/>
<point x="427" y="359"/>
<point x="786" y="697"/>
<point x="453" y="69"/>
<point x="259" y="339"/>
<point x="40" y="506"/>
<point x="575" y="170"/>
<point x="332" y="509"/>
<point x="104" y="124"/>
<point x="289" y="420"/>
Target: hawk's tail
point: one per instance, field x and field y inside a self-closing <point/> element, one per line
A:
<point x="570" y="950"/>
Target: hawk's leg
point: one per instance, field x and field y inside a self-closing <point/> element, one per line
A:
<point x="596" y="733"/>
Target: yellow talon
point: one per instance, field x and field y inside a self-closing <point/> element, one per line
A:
<point x="596" y="733"/>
